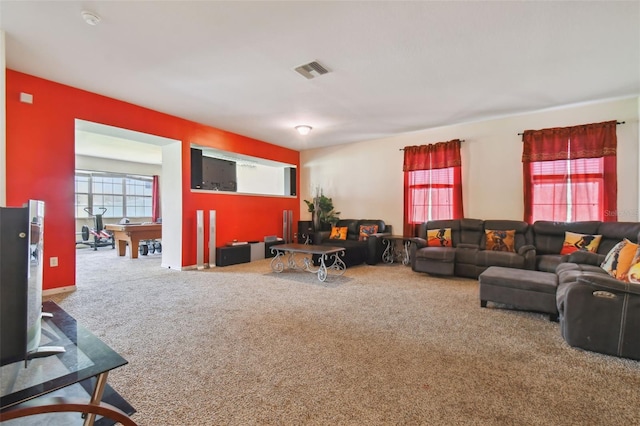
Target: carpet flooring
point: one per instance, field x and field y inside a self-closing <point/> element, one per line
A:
<point x="380" y="345"/>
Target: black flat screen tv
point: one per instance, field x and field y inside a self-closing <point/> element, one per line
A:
<point x="218" y="174"/>
<point x="21" y="268"/>
<point x="213" y="174"/>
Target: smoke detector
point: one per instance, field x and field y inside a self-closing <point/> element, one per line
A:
<point x="90" y="18"/>
<point x="311" y="70"/>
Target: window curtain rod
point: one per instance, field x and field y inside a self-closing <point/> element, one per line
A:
<point x="617" y="122"/>
<point x="402" y="149"/>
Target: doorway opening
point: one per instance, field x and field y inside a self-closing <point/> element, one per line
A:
<point x="120" y="178"/>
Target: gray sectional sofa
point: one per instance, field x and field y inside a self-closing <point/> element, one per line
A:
<point x="537" y="246"/>
<point x="596" y="311"/>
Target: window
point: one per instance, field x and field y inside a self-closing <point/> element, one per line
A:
<point x="432" y="194"/>
<point x="432" y="184"/>
<point x="121" y="195"/>
<point x="567" y="190"/>
<point x="570" y="173"/>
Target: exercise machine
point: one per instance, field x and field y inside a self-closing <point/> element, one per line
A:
<point x="101" y="237"/>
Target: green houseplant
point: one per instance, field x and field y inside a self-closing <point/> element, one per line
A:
<point x="322" y="211"/>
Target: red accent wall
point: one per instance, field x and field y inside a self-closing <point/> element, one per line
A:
<point x="41" y="165"/>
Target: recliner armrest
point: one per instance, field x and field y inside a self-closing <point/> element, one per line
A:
<point x="607" y="282"/>
<point x="586" y="257"/>
<point x="522" y="251"/>
<point x="419" y="242"/>
<point x="320" y="236"/>
<point x="528" y="251"/>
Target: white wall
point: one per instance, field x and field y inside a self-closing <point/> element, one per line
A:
<point x="3" y="125"/>
<point x="365" y="179"/>
<point x="171" y="205"/>
<point x="260" y="179"/>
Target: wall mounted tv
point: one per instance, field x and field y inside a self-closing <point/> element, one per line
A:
<point x="211" y="173"/>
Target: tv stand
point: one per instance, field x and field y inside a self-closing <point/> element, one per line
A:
<point x="43" y="351"/>
<point x="83" y="359"/>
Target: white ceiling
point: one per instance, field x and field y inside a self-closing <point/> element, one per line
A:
<point x="395" y="66"/>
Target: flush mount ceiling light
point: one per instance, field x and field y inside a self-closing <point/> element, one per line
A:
<point x="90" y="18"/>
<point x="303" y="129"/>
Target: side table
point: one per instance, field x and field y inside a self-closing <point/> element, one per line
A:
<point x="394" y="253"/>
<point x="86" y="361"/>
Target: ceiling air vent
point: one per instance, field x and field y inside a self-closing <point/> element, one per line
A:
<point x="311" y="70"/>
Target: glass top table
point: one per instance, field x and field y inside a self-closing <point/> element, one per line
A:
<point x="86" y="361"/>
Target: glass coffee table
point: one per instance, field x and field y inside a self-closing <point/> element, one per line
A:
<point x="81" y="369"/>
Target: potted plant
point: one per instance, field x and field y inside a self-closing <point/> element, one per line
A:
<point x="322" y="211"/>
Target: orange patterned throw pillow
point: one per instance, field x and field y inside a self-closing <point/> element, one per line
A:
<point x="620" y="259"/>
<point x="366" y="231"/>
<point x="498" y="240"/>
<point x="439" y="237"/>
<point x="338" y="233"/>
<point x="633" y="275"/>
<point x="585" y="242"/>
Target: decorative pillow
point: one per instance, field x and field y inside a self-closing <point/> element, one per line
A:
<point x="501" y="240"/>
<point x="633" y="276"/>
<point x="366" y="231"/>
<point x="338" y="233"/>
<point x="439" y="237"/>
<point x="618" y="261"/>
<point x="574" y="242"/>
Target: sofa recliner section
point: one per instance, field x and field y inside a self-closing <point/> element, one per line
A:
<point x="598" y="312"/>
<point x="548" y="237"/>
<point x="468" y="256"/>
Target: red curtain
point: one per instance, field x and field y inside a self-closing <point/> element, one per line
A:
<point x="589" y="141"/>
<point x="440" y="155"/>
<point x="155" y="199"/>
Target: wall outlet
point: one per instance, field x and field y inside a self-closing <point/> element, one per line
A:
<point x="53" y="262"/>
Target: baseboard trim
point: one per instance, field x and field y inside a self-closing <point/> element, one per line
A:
<point x="58" y="290"/>
<point x="182" y="268"/>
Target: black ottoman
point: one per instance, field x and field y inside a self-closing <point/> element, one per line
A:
<point x="521" y="288"/>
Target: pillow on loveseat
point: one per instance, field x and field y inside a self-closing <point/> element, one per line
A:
<point x="498" y="240"/>
<point x="439" y="237"/>
<point x="366" y="231"/>
<point x="574" y="242"/>
<point x="338" y="233"/>
<point x="620" y="258"/>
